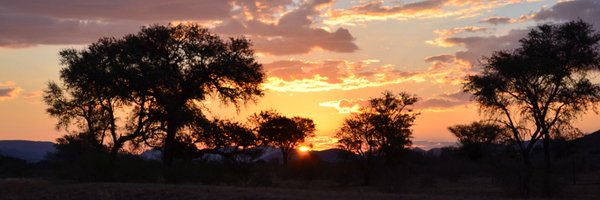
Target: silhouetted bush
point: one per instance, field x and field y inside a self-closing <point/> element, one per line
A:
<point x="13" y="167"/>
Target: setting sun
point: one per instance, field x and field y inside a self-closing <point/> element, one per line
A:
<point x="304" y="149"/>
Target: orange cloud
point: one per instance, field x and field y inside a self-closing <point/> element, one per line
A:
<point x="443" y="34"/>
<point x="346" y="106"/>
<point x="312" y="76"/>
<point x="378" y="10"/>
<point x="322" y="142"/>
<point x="439" y="103"/>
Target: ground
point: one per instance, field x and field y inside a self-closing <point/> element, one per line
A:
<point x="17" y="189"/>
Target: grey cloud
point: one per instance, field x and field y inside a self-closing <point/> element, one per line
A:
<point x="29" y="30"/>
<point x="440" y="58"/>
<point x="9" y="92"/>
<point x="147" y="10"/>
<point x="587" y="10"/>
<point x="495" y="20"/>
<point x="479" y="46"/>
<point x="445" y="101"/>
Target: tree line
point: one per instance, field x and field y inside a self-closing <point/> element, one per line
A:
<point x="147" y="90"/>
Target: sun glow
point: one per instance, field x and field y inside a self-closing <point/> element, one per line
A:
<point x="304" y="149"/>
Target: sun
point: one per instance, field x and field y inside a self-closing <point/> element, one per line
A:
<point x="304" y="149"/>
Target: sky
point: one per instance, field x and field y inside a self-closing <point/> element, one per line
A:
<point x="324" y="59"/>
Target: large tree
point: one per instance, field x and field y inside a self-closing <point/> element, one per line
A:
<point x="282" y="132"/>
<point x="162" y="74"/>
<point x="180" y="66"/>
<point x="537" y="89"/>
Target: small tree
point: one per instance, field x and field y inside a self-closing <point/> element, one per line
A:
<point x="392" y="119"/>
<point x="357" y="135"/>
<point x="474" y="138"/>
<point x="537" y="89"/>
<point x="282" y="132"/>
<point x="382" y="129"/>
<point x="224" y="137"/>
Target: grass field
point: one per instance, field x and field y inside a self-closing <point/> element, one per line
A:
<point x="36" y="189"/>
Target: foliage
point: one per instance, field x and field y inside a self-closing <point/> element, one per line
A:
<point x="477" y="136"/>
<point x="232" y="140"/>
<point x="480" y="133"/>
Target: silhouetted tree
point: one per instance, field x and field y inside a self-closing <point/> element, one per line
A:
<point x="383" y="128"/>
<point x="475" y="137"/>
<point x="357" y="135"/>
<point x="160" y="76"/>
<point x="180" y="66"/>
<point x="539" y="88"/>
<point x="282" y="132"/>
<point x="392" y="119"/>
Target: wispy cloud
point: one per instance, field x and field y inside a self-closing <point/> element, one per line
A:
<point x="346" y="106"/>
<point x="439" y="103"/>
<point x="497" y="20"/>
<point x="326" y="75"/>
<point x="379" y="10"/>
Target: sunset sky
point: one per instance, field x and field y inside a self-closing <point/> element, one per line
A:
<point x="323" y="58"/>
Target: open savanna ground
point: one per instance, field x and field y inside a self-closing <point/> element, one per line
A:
<point x="462" y="189"/>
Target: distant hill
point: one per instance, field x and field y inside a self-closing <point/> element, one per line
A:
<point x="30" y="151"/>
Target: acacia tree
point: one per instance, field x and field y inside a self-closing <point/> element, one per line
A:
<point x="179" y="66"/>
<point x="475" y="137"/>
<point x="537" y="89"/>
<point x="381" y="129"/>
<point x="161" y="74"/>
<point x="282" y="132"/>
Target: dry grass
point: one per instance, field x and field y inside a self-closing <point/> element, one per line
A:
<point x="36" y="189"/>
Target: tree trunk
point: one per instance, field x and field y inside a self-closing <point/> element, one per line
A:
<point x="547" y="190"/>
<point x="167" y="154"/>
<point x="366" y="173"/>
<point x="284" y="155"/>
<point x="114" y="151"/>
<point x="526" y="181"/>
